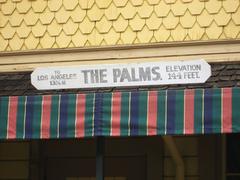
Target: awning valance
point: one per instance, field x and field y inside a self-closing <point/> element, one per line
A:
<point x="138" y="113"/>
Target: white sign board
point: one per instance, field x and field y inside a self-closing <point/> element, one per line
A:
<point x="116" y="75"/>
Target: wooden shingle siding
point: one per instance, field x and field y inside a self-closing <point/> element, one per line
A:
<point x="34" y="24"/>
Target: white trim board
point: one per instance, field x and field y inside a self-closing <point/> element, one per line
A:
<point x="215" y="52"/>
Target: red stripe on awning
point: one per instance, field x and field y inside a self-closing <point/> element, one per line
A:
<point x="80" y="116"/>
<point x="12" y="119"/>
<point x="116" y="113"/>
<point x="152" y="113"/>
<point x="189" y="111"/>
<point x="46" y="116"/>
<point x="227" y="110"/>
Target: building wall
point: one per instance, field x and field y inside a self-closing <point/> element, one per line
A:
<point x="14" y="160"/>
<point x="35" y="24"/>
<point x="132" y="158"/>
<point x="36" y="160"/>
<point x="188" y="147"/>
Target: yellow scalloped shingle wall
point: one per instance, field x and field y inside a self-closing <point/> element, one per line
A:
<point x="41" y="24"/>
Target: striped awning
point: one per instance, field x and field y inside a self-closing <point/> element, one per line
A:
<point x="138" y="113"/>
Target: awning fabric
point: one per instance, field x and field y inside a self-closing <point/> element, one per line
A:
<point x="139" y="113"/>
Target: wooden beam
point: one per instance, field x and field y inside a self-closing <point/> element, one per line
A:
<point x="100" y="158"/>
<point x="29" y="60"/>
<point x="176" y="156"/>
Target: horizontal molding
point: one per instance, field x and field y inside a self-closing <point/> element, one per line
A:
<point x="223" y="51"/>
